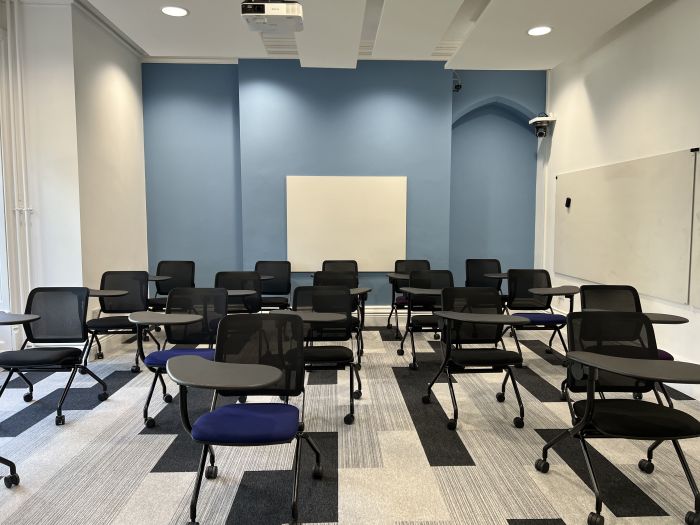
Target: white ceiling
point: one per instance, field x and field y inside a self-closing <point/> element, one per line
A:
<point x="467" y="34"/>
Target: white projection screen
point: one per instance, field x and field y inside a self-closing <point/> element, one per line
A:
<point x="338" y="217"/>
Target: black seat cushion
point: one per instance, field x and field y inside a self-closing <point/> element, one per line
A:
<point x="275" y="302"/>
<point x="45" y="356"/>
<point x="157" y="303"/>
<point x="328" y="354"/>
<point x="485" y="357"/>
<point x="117" y="322"/>
<point x="424" y="321"/>
<point x="628" y="418"/>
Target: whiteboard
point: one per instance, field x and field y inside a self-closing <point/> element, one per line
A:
<point x="628" y="223"/>
<point x="339" y="217"/>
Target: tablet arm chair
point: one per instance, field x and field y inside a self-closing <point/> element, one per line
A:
<point x="211" y="304"/>
<point x="475" y="270"/>
<point x="275" y="291"/>
<point x="627" y="335"/>
<point x="62" y="314"/>
<point x="241" y="281"/>
<point x="275" y="340"/>
<point x="399" y="301"/>
<point x="486" y="357"/>
<point x="181" y="275"/>
<point x="340" y="266"/>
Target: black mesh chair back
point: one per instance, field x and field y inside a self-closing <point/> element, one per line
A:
<point x="437" y="279"/>
<point x="181" y="275"/>
<point x="616" y="298"/>
<point x="519" y="284"/>
<point x="475" y="300"/>
<point x="339" y="266"/>
<point x="210" y="303"/>
<point x="303" y="298"/>
<point x="408" y="266"/>
<point x="62" y="312"/>
<point x="281" y="272"/>
<point x="326" y="299"/>
<point x="268" y="339"/>
<point x="241" y="281"/>
<point x="618" y="334"/>
<point x="476" y="268"/>
<point x="327" y="278"/>
<point x="134" y="282"/>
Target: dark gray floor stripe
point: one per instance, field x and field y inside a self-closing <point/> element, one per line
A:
<point x="264" y="497"/>
<point x="323" y="377"/>
<point x="536" y="521"/>
<point x="34" y="377"/>
<point x="442" y="447"/>
<point x="678" y="396"/>
<point x="540" y="348"/>
<point x="620" y="494"/>
<point x="536" y="385"/>
<point x="389" y="334"/>
<point x="78" y="399"/>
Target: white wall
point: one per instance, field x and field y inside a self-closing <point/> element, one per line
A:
<point x="51" y="148"/>
<point x="110" y="151"/>
<point x="634" y="96"/>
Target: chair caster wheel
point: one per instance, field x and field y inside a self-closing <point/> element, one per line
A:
<point x="135" y="369"/>
<point x="102" y="396"/>
<point x="452" y="424"/>
<point x="168" y="398"/>
<point x="11" y="480"/>
<point x="242" y="399"/>
<point x="637" y="396"/>
<point x="149" y="422"/>
<point x="500" y="397"/>
<point x="349" y="419"/>
<point x="357" y="394"/>
<point x="518" y="422"/>
<point x="60" y="420"/>
<point x="318" y="472"/>
<point x="691" y="518"/>
<point x="413" y="366"/>
<point x="436" y="336"/>
<point x="400" y="351"/>
<point x="562" y="396"/>
<point x="358" y="366"/>
<point x="28" y="397"/>
<point x="541" y="465"/>
<point x="426" y="399"/>
<point x="646" y="466"/>
<point x="388" y="325"/>
<point x="595" y="519"/>
<point x="295" y="511"/>
<point x="548" y="351"/>
<point x="99" y="355"/>
<point x="82" y="371"/>
<point x="301" y="427"/>
<point x="211" y="472"/>
<point x="192" y="523"/>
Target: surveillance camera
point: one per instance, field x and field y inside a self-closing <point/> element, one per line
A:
<point x="541" y="123"/>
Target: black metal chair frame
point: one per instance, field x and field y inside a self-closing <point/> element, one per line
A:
<point x="449" y="367"/>
<point x="584" y="429"/>
<point x="73" y="369"/>
<point x="400" y="266"/>
<point x="211" y="471"/>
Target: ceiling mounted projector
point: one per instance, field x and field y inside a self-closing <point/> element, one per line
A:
<point x="273" y="16"/>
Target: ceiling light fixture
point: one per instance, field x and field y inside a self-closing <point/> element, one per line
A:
<point x="174" y="11"/>
<point x="539" y="31"/>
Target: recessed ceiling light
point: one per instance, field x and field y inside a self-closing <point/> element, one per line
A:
<point x="539" y="30"/>
<point x="174" y="11"/>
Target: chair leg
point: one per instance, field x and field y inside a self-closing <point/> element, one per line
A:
<point x="358" y="392"/>
<point x="350" y="418"/>
<point x="426" y="397"/>
<point x="30" y="394"/>
<point x="549" y="349"/>
<point x="197" y="486"/>
<point x="295" y="486"/>
<point x="397" y="332"/>
<point x="563" y="343"/>
<point x="94" y="338"/>
<point x="166" y="397"/>
<point x="86" y="370"/>
<point x="591" y="474"/>
<point x="148" y="331"/>
<point x="452" y="423"/>
<point x="149" y="421"/>
<point x="514" y="335"/>
<point x="519" y="422"/>
<point x="391" y="312"/>
<point x="545" y="450"/>
<point x="690" y="517"/>
<point x="647" y="465"/>
<point x="60" y="418"/>
<point x="413" y="365"/>
<point x="7" y="380"/>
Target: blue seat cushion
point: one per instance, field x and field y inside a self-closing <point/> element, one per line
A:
<point x="248" y="424"/>
<point x="159" y="359"/>
<point x="542" y="319"/>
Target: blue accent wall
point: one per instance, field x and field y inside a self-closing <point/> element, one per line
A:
<point x="494" y="168"/>
<point x="383" y="118"/>
<point x="215" y="169"/>
<point x="192" y="155"/>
